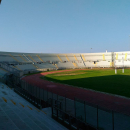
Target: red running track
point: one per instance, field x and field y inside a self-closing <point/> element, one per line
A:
<point x="104" y="100"/>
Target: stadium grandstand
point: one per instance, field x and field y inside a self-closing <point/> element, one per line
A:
<point x="25" y="106"/>
<point x="28" y="62"/>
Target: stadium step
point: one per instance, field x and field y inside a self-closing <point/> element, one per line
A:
<point x="83" y="58"/>
<point x="59" y="58"/>
<point x="39" y="58"/>
<point x="5" y="122"/>
<point x="56" y="66"/>
<point x="75" y="65"/>
<point x="125" y="56"/>
<point x="3" y="69"/>
<point x="103" y="57"/>
<point x="31" y="58"/>
<point x="19" y="123"/>
<point x="23" y="58"/>
<point x="35" y="66"/>
<point x="29" y="116"/>
<point x="75" y="58"/>
<point x="16" y="67"/>
<point x="67" y="57"/>
<point x="14" y="58"/>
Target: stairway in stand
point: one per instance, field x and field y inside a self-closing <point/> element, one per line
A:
<point x="18" y="114"/>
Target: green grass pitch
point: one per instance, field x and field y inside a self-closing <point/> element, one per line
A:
<point x="104" y="80"/>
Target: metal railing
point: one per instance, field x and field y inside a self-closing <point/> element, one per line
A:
<point x="10" y="69"/>
<point x="74" y="113"/>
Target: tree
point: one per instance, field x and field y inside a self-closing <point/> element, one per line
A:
<point x="0" y="1"/>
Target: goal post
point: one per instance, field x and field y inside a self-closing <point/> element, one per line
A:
<point x="121" y="65"/>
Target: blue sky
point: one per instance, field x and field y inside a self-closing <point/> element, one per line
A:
<point x="64" y="26"/>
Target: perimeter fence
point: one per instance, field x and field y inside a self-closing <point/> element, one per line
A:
<point x="76" y="114"/>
